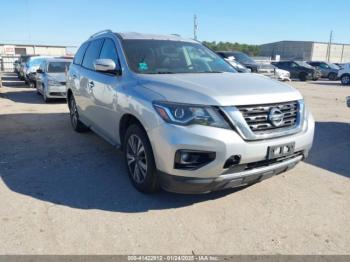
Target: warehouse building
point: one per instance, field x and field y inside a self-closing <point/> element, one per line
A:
<point x="307" y="50"/>
<point x="10" y="52"/>
<point x="16" y="50"/>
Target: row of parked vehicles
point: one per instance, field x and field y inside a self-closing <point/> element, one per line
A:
<point x="291" y="69"/>
<point x="184" y="119"/>
<point x="45" y="73"/>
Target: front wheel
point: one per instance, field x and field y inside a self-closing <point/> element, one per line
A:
<point x="139" y="160"/>
<point x="46" y="99"/>
<point x="77" y="125"/>
<point x="332" y="76"/>
<point x="345" y="79"/>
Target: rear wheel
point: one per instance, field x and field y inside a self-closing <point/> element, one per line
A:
<point x="74" y="116"/>
<point x="139" y="160"/>
<point x="345" y="79"/>
<point x="332" y="76"/>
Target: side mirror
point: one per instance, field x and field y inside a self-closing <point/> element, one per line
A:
<point x="107" y="66"/>
<point x="39" y="71"/>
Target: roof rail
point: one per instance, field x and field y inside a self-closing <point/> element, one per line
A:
<point x="101" y="32"/>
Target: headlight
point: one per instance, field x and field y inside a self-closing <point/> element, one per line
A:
<point x="54" y="83"/>
<point x="185" y="115"/>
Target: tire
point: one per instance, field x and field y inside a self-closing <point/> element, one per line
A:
<point x="332" y="76"/>
<point x="77" y="125"/>
<point x="303" y="76"/>
<point x="345" y="79"/>
<point x="32" y="84"/>
<point x="46" y="99"/>
<point x="139" y="160"/>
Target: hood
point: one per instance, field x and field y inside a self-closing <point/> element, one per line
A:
<point x="60" y="77"/>
<point x="220" y="89"/>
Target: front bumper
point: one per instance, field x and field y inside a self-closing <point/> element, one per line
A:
<point x="192" y="185"/>
<point x="167" y="139"/>
<point x="56" y="92"/>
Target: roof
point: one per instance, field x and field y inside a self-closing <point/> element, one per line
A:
<point x="134" y="35"/>
<point x="53" y="59"/>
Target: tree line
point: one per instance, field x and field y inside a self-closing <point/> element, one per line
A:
<point x="251" y="50"/>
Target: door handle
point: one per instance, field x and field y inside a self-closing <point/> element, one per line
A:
<point x="91" y="84"/>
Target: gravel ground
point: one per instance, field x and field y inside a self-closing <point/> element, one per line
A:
<point x="68" y="193"/>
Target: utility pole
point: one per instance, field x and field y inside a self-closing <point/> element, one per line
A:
<point x="195" y="27"/>
<point x="329" y="46"/>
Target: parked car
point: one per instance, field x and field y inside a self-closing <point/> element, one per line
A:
<point x="51" y="78"/>
<point x="235" y="64"/>
<point x="344" y="74"/>
<point x="328" y="70"/>
<point x="274" y="72"/>
<point x="299" y="70"/>
<point x="16" y="66"/>
<point x="185" y="120"/>
<point x="29" y="71"/>
<point x="23" y="65"/>
<point x="240" y="57"/>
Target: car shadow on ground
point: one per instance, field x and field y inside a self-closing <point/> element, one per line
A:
<point x="331" y="147"/>
<point x="29" y="96"/>
<point x="330" y="83"/>
<point x="42" y="157"/>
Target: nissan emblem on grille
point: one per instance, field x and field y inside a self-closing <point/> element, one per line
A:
<point x="276" y="117"/>
<point x="269" y="117"/>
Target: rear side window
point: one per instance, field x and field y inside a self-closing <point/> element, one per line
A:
<point x="78" y="58"/>
<point x="92" y="53"/>
<point x="109" y="51"/>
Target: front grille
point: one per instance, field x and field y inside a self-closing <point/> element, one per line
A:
<point x="257" y="116"/>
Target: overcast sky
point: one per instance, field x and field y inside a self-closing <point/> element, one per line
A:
<point x="70" y="22"/>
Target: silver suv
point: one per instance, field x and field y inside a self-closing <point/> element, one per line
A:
<point x="185" y="120"/>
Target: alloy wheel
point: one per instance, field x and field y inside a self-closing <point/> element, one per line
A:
<point x="136" y="158"/>
<point x="73" y="112"/>
<point x="345" y="79"/>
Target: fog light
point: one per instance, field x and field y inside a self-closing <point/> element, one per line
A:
<point x="233" y="160"/>
<point x="191" y="160"/>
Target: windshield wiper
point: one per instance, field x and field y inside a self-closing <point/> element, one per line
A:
<point x="163" y="72"/>
<point x="215" y="72"/>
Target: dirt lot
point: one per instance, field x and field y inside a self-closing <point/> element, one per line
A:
<point x="68" y="193"/>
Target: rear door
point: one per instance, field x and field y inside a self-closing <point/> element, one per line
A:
<point x="294" y="69"/>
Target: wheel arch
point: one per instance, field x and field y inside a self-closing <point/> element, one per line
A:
<point x="69" y="95"/>
<point x="126" y="120"/>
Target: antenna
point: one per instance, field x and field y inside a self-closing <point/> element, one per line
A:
<point x="195" y="27"/>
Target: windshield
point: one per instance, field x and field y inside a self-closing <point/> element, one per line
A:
<point x="58" y="67"/>
<point x="333" y="66"/>
<point x="171" y="57"/>
<point x="242" y="58"/>
<point x="304" y="64"/>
